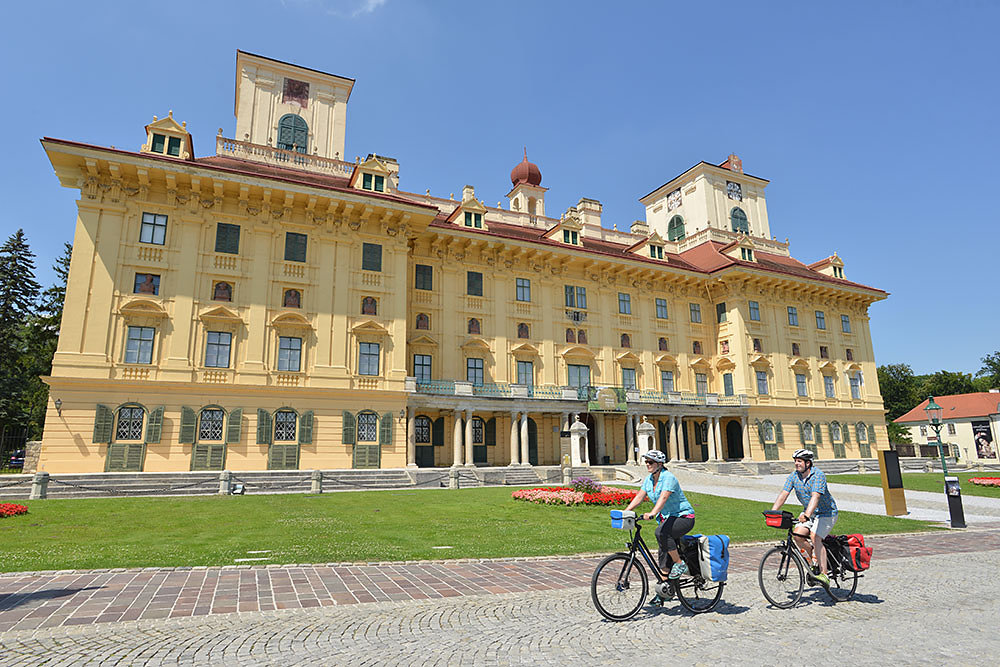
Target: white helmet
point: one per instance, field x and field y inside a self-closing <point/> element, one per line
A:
<point x="804" y="454"/>
<point x="655" y="455"/>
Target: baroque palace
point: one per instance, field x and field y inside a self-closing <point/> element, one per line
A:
<point x="275" y="306"/>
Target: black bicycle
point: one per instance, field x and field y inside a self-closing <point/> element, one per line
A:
<point x="783" y="570"/>
<point x="620" y="584"/>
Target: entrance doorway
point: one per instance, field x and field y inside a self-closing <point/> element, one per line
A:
<point x="588" y="419"/>
<point x="734" y="440"/>
<point x="532" y="442"/>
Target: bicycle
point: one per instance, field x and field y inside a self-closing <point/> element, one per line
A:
<point x="782" y="572"/>
<point x="620" y="584"/>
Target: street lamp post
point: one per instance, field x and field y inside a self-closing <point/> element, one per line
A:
<point x="952" y="489"/>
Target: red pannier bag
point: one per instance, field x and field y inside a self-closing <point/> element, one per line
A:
<point x="859" y="556"/>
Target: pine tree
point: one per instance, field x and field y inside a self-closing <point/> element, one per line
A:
<point x="18" y="296"/>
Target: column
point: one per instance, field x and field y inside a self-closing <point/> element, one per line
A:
<point x="679" y="432"/>
<point x="712" y="456"/>
<point x="411" y="438"/>
<point x="525" y="459"/>
<point x="745" y="422"/>
<point x="629" y="439"/>
<point x="515" y="447"/>
<point x="458" y="438"/>
<point x="469" y="459"/>
<point x="565" y="423"/>
<point x="602" y="449"/>
<point x="718" y="438"/>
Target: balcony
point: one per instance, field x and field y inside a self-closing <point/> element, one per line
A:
<point x="278" y="157"/>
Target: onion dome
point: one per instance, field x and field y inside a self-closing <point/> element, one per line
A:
<point x="525" y="172"/>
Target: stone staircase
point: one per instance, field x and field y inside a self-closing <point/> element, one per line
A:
<point x="522" y="476"/>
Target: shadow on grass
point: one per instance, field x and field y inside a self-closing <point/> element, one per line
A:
<point x="10" y="601"/>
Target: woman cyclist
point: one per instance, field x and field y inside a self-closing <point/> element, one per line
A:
<point x="670" y="507"/>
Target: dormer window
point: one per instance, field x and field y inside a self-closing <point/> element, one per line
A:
<point x="571" y="237"/>
<point x="165" y="136"/>
<point x="473" y="219"/>
<point x="656" y="251"/>
<point x="373" y="182"/>
<point x="168" y="145"/>
<point x="746" y="254"/>
<point x="838" y="272"/>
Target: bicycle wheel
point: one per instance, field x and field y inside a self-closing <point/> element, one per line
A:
<point x="697" y="595"/>
<point x="781" y="578"/>
<point x="619" y="588"/>
<point x="843" y="582"/>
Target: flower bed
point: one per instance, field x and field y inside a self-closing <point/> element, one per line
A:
<point x="10" y="509"/>
<point x="561" y="495"/>
<point x="986" y="481"/>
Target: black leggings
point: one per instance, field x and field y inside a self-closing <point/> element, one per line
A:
<point x="667" y="534"/>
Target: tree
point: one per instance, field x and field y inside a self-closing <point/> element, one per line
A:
<point x="946" y="383"/>
<point x="18" y="296"/>
<point x="990" y="372"/>
<point x="900" y="389"/>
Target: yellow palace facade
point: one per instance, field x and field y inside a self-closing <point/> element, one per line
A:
<point x="273" y="306"/>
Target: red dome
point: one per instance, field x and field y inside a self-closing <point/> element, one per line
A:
<point x="525" y="172"/>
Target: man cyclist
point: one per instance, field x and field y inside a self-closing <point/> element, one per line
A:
<point x="819" y="512"/>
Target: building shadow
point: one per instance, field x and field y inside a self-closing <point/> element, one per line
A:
<point x="10" y="601"/>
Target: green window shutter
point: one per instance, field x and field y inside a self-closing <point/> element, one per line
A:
<point x="871" y="434"/>
<point x="306" y="428"/>
<point x="846" y="430"/>
<point x="779" y="435"/>
<point x="291" y="461"/>
<point x="103" y="424"/>
<point x="134" y="453"/>
<point x="275" y="457"/>
<point x="760" y="432"/>
<point x="188" y="421"/>
<point x="199" y="457"/>
<point x="802" y="433"/>
<point x="348" y="429"/>
<point x="437" y="432"/>
<point x="216" y="456"/>
<point x="154" y="425"/>
<point x="116" y="457"/>
<point x="234" y="426"/>
<point x="263" y="427"/>
<point x="818" y="429"/>
<point x="385" y="429"/>
<point x="491" y="431"/>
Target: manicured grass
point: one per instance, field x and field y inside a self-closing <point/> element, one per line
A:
<point x="336" y="527"/>
<point x="925" y="481"/>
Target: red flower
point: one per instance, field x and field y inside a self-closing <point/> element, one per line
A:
<point x="10" y="509"/>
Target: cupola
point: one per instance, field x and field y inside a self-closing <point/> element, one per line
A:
<point x="527" y="194"/>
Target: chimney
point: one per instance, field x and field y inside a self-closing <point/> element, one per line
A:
<point x="468" y="193"/>
<point x="640" y="227"/>
<point x="590" y="211"/>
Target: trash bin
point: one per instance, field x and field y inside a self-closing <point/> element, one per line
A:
<point x="953" y="490"/>
<point x="605" y="460"/>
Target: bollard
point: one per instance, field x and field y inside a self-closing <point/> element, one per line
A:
<point x="861" y="467"/>
<point x="928" y="467"/>
<point x="224" y="482"/>
<point x="317" y="482"/>
<point x="567" y="475"/>
<point x="39" y="486"/>
<point x="453" y="478"/>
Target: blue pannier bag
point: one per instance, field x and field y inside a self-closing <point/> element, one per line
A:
<point x="622" y="519"/>
<point x="713" y="555"/>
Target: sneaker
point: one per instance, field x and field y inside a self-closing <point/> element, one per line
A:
<point x="678" y="570"/>
<point x="822" y="579"/>
<point x="656" y="601"/>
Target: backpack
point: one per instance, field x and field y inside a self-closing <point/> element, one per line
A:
<point x="713" y="556"/>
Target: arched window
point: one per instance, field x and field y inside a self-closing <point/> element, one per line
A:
<point x="807" y="431"/>
<point x="293" y="298"/>
<point x="581" y="337"/>
<point x="478" y="431"/>
<point x="423" y="321"/>
<point x="675" y="228"/>
<point x="862" y="432"/>
<point x="696" y="347"/>
<point x="369" y="306"/>
<point x="222" y="292"/>
<point x="662" y="344"/>
<point x="210" y="424"/>
<point x="835" y="431"/>
<point x="422" y="430"/>
<point x="293" y="133"/>
<point x="474" y="327"/>
<point x="570" y="336"/>
<point x="129" y="425"/>
<point x="768" y="429"/>
<point x="739" y="220"/>
<point x="626" y="340"/>
<point x="522" y="330"/>
<point x="285" y="422"/>
<point x="367" y="427"/>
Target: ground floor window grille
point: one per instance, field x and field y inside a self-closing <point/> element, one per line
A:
<point x="423" y="429"/>
<point x="129" y="424"/>
<point x="367" y="427"/>
<point x="211" y="425"/>
<point x="284" y="426"/>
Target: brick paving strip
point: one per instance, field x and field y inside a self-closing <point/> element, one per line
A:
<point x="36" y="600"/>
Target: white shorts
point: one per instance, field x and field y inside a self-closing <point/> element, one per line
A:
<point x="821" y="525"/>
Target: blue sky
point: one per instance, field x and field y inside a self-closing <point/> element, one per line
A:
<point x="876" y="123"/>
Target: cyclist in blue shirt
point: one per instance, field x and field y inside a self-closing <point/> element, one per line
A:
<point x="819" y="510"/>
<point x="671" y="509"/>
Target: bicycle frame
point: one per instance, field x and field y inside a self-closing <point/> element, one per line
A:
<point x="637" y="544"/>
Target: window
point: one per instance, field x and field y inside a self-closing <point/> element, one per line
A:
<point x="422" y="430"/>
<point x="522" y="330"/>
<point x="862" y="432"/>
<point x="850" y="354"/>
<point x="129" y="426"/>
<point x="845" y="323"/>
<point x="159" y="141"/>
<point x="724" y="347"/>
<point x="146" y="283"/>
<point x="139" y="347"/>
<point x="368" y="358"/>
<point x="828" y="387"/>
<point x="474" y="283"/>
<point x="473" y="219"/>
<point x="951" y="429"/>
<point x="661" y="309"/>
<point x="369" y="306"/>
<point x="222" y="292"/>
<point x="923" y="430"/>
<point x="795" y="350"/>
<point x="695" y="312"/>
<point x="576" y="297"/>
<point x="762" y="383"/>
<point x="153" y="229"/>
<point x="227" y="238"/>
<point x="734" y="191"/>
<point x="793" y="316"/>
<point x="293" y="133"/>
<point x="371" y="257"/>
<point x="367" y="427"/>
<point x="855" y="386"/>
<point x="474" y="327"/>
<point x="675" y="228"/>
<point x="701" y="383"/>
<point x="738" y="219"/>
<point x="663" y="345"/>
<point x="423" y="321"/>
<point x="578" y="376"/>
<point x="768" y="430"/>
<point x="746" y="254"/>
<point x="174" y="146"/>
<point x="210" y="424"/>
<point x="525" y="373"/>
<point x="666" y="381"/>
<point x="474" y="371"/>
<point x="424" y="277"/>
<point x="477" y="431"/>
<point x="217" y="349"/>
<point x="820" y="320"/>
<point x="571" y="237"/>
<point x="373" y="182"/>
<point x="835" y="431"/>
<point x="289" y="354"/>
<point x="626" y="340"/>
<point x="727" y="384"/>
<point x="292" y="299"/>
<point x="656" y="251"/>
<point x="284" y="426"/>
<point x="523" y="286"/>
<point x="807" y="431"/>
<point x="800" y="384"/>
<point x="570" y="336"/>
<point x="720" y="312"/>
<point x="628" y="378"/>
<point x="824" y="352"/>
<point x="754" y="311"/>
<point x="581" y="337"/>
<point x="758" y="346"/>
<point x="624" y="303"/>
<point x="838" y="272"/>
<point x="422" y="367"/>
<point x="696" y="347"/>
<point x="295" y="247"/>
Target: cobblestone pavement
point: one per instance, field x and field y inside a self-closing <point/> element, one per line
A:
<point x="919" y="610"/>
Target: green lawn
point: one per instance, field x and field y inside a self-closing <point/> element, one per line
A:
<point x="336" y="527"/>
<point x="925" y="481"/>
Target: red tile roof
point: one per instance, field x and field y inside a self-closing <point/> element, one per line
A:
<point x="959" y="406"/>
